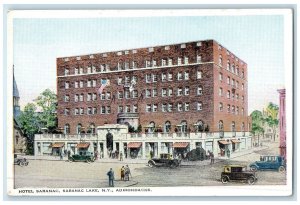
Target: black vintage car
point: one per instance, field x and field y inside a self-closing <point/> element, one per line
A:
<point x="237" y="173"/>
<point x="86" y="157"/>
<point x="19" y="160"/>
<point x="164" y="160"/>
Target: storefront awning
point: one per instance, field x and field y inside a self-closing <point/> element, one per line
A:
<point x="83" y="145"/>
<point x="235" y="141"/>
<point x="58" y="144"/>
<point x="224" y="142"/>
<point x="134" y="145"/>
<point x="180" y="144"/>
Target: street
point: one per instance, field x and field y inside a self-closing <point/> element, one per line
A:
<point x="63" y="174"/>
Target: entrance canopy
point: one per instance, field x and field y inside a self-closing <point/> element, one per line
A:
<point x="224" y="142"/>
<point x="180" y="144"/>
<point x="58" y="145"/>
<point x="83" y="145"/>
<point x="134" y="145"/>
<point x="235" y="141"/>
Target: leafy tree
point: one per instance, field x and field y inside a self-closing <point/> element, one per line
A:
<point x="272" y="119"/>
<point x="257" y="123"/>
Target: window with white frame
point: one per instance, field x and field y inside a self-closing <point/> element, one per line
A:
<point x="102" y="67"/>
<point x="154" y="64"/>
<point x="120" y="94"/>
<point x="127" y="80"/>
<point x="199" y="43"/>
<point x="148" y="78"/>
<point x="81" y="111"/>
<point x="170" y="61"/>
<point x="67" y="85"/>
<point x="163" y="77"/>
<point x="242" y="74"/>
<point x="67" y="71"/>
<point x="243" y="111"/>
<point x="154" y="92"/>
<point x="164" y="107"/>
<point x="89" y="97"/>
<point x="186" y="90"/>
<point x="151" y="49"/>
<point x="228" y="108"/>
<point x="76" y="84"/>
<point x="108" y="96"/>
<point x="89" y="83"/>
<point x="127" y="94"/>
<point x="228" y="94"/>
<point x="187" y="106"/>
<point x="183" y="45"/>
<point x="120" y="109"/>
<point x="179" y="76"/>
<point x="89" y="111"/>
<point x="170" y="107"/>
<point x="120" y="80"/>
<point x="108" y="110"/>
<point x="179" y="92"/>
<point x="67" y="111"/>
<point x="76" y="112"/>
<point x="220" y="91"/>
<point x="237" y="84"/>
<point x="164" y="92"/>
<point x="237" y="71"/>
<point x="94" y="97"/>
<point x="237" y="110"/>
<point x="232" y="68"/>
<point x="154" y="78"/>
<point x="148" y="108"/>
<point x="126" y="65"/>
<point x="186" y="75"/>
<point x="94" y="83"/>
<point x="76" y="71"/>
<point x="179" y="107"/>
<point x="199" y="59"/>
<point x="102" y="96"/>
<point x="81" y="70"/>
<point x="221" y="76"/>
<point x="119" y="53"/>
<point x="103" y="110"/>
<point x="135" y="108"/>
<point x="237" y="96"/>
<point x="147" y="64"/>
<point x="89" y="69"/>
<point x="220" y="60"/>
<point x="186" y="60"/>
<point x="119" y="66"/>
<point x="154" y="108"/>
<point x="233" y="109"/>
<point x="243" y="99"/>
<point x="199" y="74"/>
<point x="221" y="107"/>
<point x="134" y="64"/>
<point x="228" y="80"/>
<point x="199" y="106"/>
<point x="228" y="65"/>
<point x="81" y="84"/>
<point x="179" y="61"/>
<point x="67" y="98"/>
<point x="94" y="69"/>
<point x="148" y="93"/>
<point x="170" y="92"/>
<point x="81" y="98"/>
<point x="167" y="48"/>
<point x="233" y="96"/>
<point x="242" y="86"/>
<point x="94" y="110"/>
<point x="134" y="94"/>
<point x="134" y="79"/>
<point x="170" y="76"/>
<point x="127" y="108"/>
<point x="163" y="62"/>
<point x="199" y="90"/>
<point x="76" y="98"/>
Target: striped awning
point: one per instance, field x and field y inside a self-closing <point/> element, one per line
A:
<point x="134" y="145"/>
<point x="224" y="142"/>
<point x="180" y="144"/>
<point x="83" y="145"/>
<point x="235" y="141"/>
<point x="58" y="144"/>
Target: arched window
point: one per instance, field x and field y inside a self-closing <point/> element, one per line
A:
<point x="67" y="129"/>
<point x="78" y="128"/>
<point x="151" y="126"/>
<point x="184" y="126"/>
<point x="92" y="128"/>
<point x="167" y="126"/>
<point x="220" y="60"/>
<point x="221" y="125"/>
<point x="243" y="126"/>
<point x="200" y="90"/>
<point x="89" y="68"/>
<point x="67" y="71"/>
<point x="233" y="126"/>
<point x="228" y="65"/>
<point x="200" y="126"/>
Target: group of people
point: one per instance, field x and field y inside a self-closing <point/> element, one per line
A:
<point x="125" y="174"/>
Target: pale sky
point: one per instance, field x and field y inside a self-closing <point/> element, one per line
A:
<point x="257" y="40"/>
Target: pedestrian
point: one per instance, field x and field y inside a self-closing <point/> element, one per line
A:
<point x="65" y="152"/>
<point x="127" y="173"/>
<point x="61" y="155"/>
<point x="122" y="173"/>
<point x="101" y="154"/>
<point x="96" y="155"/>
<point x="212" y="157"/>
<point x="69" y="154"/>
<point x="111" y="177"/>
<point x="228" y="153"/>
<point x="121" y="156"/>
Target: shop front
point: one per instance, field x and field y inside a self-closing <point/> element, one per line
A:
<point x="134" y="149"/>
<point x="57" y="148"/>
<point x="235" y="145"/>
<point x="181" y="148"/>
<point x="224" y="146"/>
<point x="83" y="148"/>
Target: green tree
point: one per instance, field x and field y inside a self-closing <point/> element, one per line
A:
<point x="28" y="120"/>
<point x="47" y="101"/>
<point x="272" y="118"/>
<point x="257" y="124"/>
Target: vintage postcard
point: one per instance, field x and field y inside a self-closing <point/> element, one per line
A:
<point x="150" y="103"/>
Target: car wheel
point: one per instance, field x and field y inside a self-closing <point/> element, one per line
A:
<point x="281" y="169"/>
<point x="251" y="180"/>
<point x="225" y="179"/>
<point x="151" y="164"/>
<point x="253" y="168"/>
<point x="21" y="163"/>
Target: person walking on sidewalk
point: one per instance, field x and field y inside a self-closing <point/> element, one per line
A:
<point x="127" y="173"/>
<point x="122" y="173"/>
<point x="111" y="177"/>
<point x="212" y="157"/>
<point x="121" y="156"/>
<point x="61" y="155"/>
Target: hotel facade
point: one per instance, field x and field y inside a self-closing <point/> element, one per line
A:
<point x="175" y="97"/>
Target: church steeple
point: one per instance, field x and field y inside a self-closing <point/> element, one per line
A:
<point x="16" y="97"/>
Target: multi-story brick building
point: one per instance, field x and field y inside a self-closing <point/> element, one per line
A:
<point x="193" y="86"/>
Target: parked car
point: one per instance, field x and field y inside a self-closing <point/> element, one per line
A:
<point x="237" y="173"/>
<point x="269" y="163"/>
<point x="19" y="160"/>
<point x="164" y="160"/>
<point x="86" y="157"/>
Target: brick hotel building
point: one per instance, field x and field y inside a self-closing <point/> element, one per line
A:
<point x="191" y="87"/>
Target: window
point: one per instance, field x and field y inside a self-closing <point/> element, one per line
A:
<point x="67" y="111"/>
<point x="170" y="107"/>
<point x="170" y="92"/>
<point x="127" y="108"/>
<point x="126" y="65"/>
<point x="78" y="128"/>
<point x="164" y="92"/>
<point x="119" y="53"/>
<point x="228" y="80"/>
<point x="237" y="84"/>
<point x="186" y="60"/>
<point x="179" y="76"/>
<point x="163" y="77"/>
<point x="134" y="80"/>
<point x="179" y="61"/>
<point x="102" y="96"/>
<point x="164" y="107"/>
<point x="127" y="94"/>
<point x="233" y="68"/>
<point x="103" y="110"/>
<point x="81" y="84"/>
<point x="67" y="71"/>
<point x="187" y="106"/>
<point x="67" y="129"/>
<point x="220" y="91"/>
<point x="228" y="108"/>
<point x="67" y="98"/>
<point x="126" y="52"/>
<point x="120" y="109"/>
<point x="92" y="129"/>
<point x="199" y="43"/>
<point x="154" y="92"/>
<point x="170" y="76"/>
<point x="94" y="69"/>
<point x="67" y="85"/>
<point x="89" y="69"/>
<point x="186" y="91"/>
<point x="127" y="80"/>
<point x="220" y="60"/>
<point x="147" y="64"/>
<point x="120" y="79"/>
<point x="186" y="75"/>
<point x="134" y="51"/>
<point x="135" y="108"/>
<point x="237" y="96"/>
<point x="199" y="74"/>
<point x="76" y="111"/>
<point x="179" y="107"/>
<point x="242" y="111"/>
<point x="167" y="48"/>
<point x="148" y="108"/>
<point x="243" y="99"/>
<point x="237" y="72"/>
<point x="179" y="92"/>
<point x="183" y="45"/>
<point x="221" y="76"/>
<point x="148" y="78"/>
<point x="228" y="65"/>
<point x="242" y="74"/>
<point x="81" y="98"/>
<point x="233" y="97"/>
<point x="81" y="111"/>
<point x="76" y="71"/>
<point x="221" y="107"/>
<point x="108" y="96"/>
<point x="102" y="68"/>
<point x="242" y="86"/>
<point x="120" y="95"/>
<point x="108" y="110"/>
<point x="199" y="59"/>
<point x="89" y="97"/>
<point x="233" y="82"/>
<point x="199" y="106"/>
<point x="76" y="98"/>
<point x="76" y="85"/>
<point x="233" y="126"/>
<point x="148" y="93"/>
<point x="221" y="127"/>
<point x="134" y="64"/>
<point x="134" y="94"/>
<point x="89" y="83"/>
<point x="154" y="64"/>
<point x="154" y="108"/>
<point x="170" y="62"/>
<point x="151" y="49"/>
<point x="89" y="111"/>
<point x="81" y="70"/>
<point x="228" y="94"/>
<point x="237" y="110"/>
<point x="233" y="109"/>
<point x="154" y="78"/>
<point x="94" y="83"/>
<point x="163" y="62"/>
<point x="200" y="90"/>
<point x="94" y="110"/>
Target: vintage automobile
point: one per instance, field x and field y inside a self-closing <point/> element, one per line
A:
<point x="269" y="163"/>
<point x="19" y="160"/>
<point x="85" y="157"/>
<point x="237" y="173"/>
<point x="164" y="160"/>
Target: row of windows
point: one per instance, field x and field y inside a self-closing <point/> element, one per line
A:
<point x="230" y="94"/>
<point x="231" y="109"/>
<point x="168" y="107"/>
<point x="231" y="68"/>
<point x="230" y="81"/>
